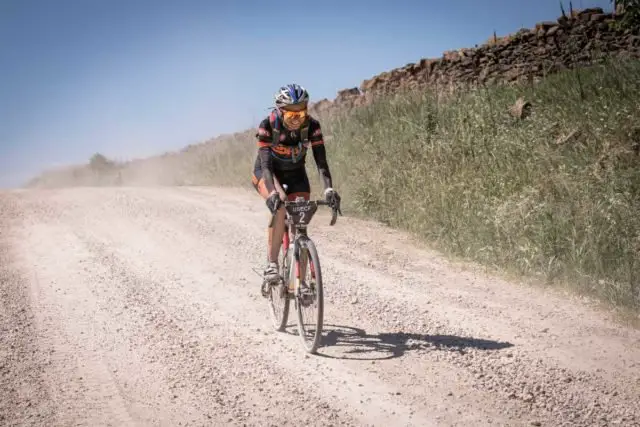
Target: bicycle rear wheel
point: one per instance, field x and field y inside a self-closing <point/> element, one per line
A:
<point x="310" y="297"/>
<point x="279" y="296"/>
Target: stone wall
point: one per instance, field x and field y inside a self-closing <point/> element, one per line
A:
<point x="578" y="39"/>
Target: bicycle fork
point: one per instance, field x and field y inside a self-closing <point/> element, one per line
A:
<point x="293" y="283"/>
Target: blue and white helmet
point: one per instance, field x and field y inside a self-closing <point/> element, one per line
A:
<point x="291" y="94"/>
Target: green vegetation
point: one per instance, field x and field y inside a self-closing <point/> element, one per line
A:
<point x="99" y="171"/>
<point x="631" y="16"/>
<point x="555" y="195"/>
<point x="99" y="163"/>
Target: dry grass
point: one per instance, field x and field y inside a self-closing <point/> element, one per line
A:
<point x="478" y="183"/>
<point x="555" y="195"/>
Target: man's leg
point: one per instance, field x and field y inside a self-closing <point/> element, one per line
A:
<point x="275" y="233"/>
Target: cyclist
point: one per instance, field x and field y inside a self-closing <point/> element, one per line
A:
<point x="283" y="140"/>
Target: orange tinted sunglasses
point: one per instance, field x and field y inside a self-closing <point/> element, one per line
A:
<point x="294" y="114"/>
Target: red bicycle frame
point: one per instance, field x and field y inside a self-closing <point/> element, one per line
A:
<point x="286" y="241"/>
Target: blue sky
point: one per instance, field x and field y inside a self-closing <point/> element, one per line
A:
<point x="133" y="78"/>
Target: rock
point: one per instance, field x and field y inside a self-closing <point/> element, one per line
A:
<point x="546" y="25"/>
<point x="552" y="31"/>
<point x="521" y="109"/>
<point x="525" y="56"/>
<point x="591" y="11"/>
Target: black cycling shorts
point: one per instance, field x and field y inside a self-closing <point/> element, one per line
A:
<point x="296" y="180"/>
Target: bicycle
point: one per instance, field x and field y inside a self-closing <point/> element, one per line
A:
<point x="292" y="284"/>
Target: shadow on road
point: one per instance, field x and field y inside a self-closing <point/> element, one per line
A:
<point x="356" y="344"/>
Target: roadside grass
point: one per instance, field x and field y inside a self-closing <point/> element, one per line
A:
<point x="554" y="196"/>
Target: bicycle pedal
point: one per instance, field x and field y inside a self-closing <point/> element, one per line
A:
<point x="268" y="284"/>
<point x="306" y="296"/>
<point x="306" y="300"/>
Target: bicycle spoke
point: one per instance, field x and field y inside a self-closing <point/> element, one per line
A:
<point x="309" y="298"/>
<point x="308" y="293"/>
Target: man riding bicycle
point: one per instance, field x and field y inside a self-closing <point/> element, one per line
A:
<point x="283" y="139"/>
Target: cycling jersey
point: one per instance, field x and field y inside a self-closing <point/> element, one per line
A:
<point x="285" y="158"/>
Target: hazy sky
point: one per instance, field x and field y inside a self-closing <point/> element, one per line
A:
<point x="132" y="78"/>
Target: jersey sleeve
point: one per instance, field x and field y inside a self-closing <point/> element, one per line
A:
<point x="263" y="136"/>
<point x="315" y="133"/>
<point x="264" y="133"/>
<point x="319" y="152"/>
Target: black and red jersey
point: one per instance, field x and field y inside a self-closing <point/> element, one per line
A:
<point x="289" y="152"/>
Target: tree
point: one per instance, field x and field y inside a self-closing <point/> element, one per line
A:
<point x="98" y="162"/>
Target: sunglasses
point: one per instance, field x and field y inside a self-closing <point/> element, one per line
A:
<point x="293" y="115"/>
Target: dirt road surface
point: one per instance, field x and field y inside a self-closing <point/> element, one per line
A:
<point x="139" y="306"/>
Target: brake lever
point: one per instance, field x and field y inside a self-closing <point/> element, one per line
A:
<point x="334" y="217"/>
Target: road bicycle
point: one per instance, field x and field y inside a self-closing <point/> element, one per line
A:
<point x="299" y="252"/>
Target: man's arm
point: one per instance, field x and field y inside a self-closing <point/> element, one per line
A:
<point x="320" y="154"/>
<point x="264" y="154"/>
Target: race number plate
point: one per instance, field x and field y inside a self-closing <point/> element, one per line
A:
<point x="302" y="213"/>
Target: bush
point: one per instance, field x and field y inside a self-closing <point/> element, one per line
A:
<point x="100" y="163"/>
<point x="630" y="18"/>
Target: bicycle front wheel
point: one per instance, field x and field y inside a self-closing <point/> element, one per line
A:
<point x="309" y="297"/>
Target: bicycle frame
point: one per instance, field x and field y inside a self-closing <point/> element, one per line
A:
<point x="298" y="215"/>
<point x="297" y="250"/>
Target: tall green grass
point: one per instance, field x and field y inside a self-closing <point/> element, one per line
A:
<point x="516" y="194"/>
<point x="554" y="196"/>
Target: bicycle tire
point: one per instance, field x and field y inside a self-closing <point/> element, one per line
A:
<point x="280" y="312"/>
<point x="311" y="345"/>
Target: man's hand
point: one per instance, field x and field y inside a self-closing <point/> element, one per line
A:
<point x="273" y="202"/>
<point x="333" y="198"/>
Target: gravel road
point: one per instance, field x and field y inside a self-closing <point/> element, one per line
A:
<point x="139" y="306"/>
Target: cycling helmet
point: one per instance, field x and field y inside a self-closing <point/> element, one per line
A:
<point x="291" y="94"/>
